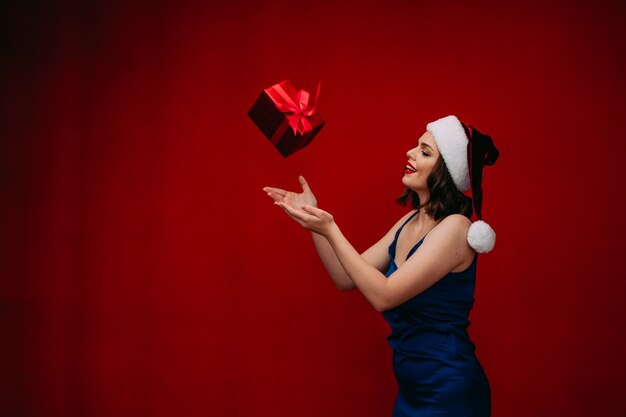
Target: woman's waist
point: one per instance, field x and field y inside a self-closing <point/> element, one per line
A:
<point x="415" y="337"/>
<point x="418" y="325"/>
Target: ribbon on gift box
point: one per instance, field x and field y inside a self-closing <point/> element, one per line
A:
<point x="296" y="106"/>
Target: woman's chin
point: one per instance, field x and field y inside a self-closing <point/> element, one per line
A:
<point x="406" y="181"/>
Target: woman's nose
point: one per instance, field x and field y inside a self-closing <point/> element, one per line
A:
<point x="409" y="154"/>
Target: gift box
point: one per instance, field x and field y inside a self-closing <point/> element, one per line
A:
<point x="287" y="117"/>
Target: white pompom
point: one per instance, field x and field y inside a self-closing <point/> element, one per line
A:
<point x="481" y="237"/>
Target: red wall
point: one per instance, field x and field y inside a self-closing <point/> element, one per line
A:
<point x="145" y="273"/>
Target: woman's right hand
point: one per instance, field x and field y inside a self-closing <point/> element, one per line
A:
<point x="291" y="198"/>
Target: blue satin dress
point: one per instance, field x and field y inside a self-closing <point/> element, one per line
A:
<point x="434" y="363"/>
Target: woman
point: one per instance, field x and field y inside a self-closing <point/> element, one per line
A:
<point x="421" y="274"/>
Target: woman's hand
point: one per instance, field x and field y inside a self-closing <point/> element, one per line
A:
<point x="302" y="208"/>
<point x="291" y="198"/>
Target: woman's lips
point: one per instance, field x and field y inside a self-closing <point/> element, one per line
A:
<point x="408" y="171"/>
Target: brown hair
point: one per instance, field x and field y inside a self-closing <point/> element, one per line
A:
<point x="445" y="198"/>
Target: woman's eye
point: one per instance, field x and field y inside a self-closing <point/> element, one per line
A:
<point x="424" y="153"/>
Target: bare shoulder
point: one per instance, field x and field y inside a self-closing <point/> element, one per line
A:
<point x="452" y="238"/>
<point x="453" y="229"/>
<point x="457" y="221"/>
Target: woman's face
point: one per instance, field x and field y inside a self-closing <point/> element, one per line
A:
<point x="422" y="159"/>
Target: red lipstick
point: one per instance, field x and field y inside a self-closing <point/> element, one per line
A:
<point x="408" y="171"/>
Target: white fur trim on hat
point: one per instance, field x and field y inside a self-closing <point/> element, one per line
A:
<point x="452" y="143"/>
<point x="481" y="237"/>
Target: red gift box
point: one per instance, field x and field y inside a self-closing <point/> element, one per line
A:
<point x="286" y="117"/>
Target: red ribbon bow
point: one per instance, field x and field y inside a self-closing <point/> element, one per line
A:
<point x="297" y="108"/>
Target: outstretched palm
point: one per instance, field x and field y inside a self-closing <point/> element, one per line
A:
<point x="293" y="199"/>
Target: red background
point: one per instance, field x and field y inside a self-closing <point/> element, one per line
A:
<point x="144" y="272"/>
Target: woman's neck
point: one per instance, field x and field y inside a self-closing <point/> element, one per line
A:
<point x="423" y="221"/>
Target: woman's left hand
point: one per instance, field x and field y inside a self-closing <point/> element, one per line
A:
<point x="309" y="217"/>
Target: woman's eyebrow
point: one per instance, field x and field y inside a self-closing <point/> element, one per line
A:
<point x="425" y="144"/>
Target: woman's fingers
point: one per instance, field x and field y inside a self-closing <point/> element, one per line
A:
<point x="317" y="212"/>
<point x="304" y="183"/>
<point x="275" y="197"/>
<point x="289" y="214"/>
<point x="295" y="212"/>
<point x="296" y="219"/>
<point x="275" y="190"/>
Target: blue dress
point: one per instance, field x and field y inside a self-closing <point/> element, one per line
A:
<point x="434" y="363"/>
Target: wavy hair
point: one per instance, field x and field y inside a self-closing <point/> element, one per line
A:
<point x="445" y="198"/>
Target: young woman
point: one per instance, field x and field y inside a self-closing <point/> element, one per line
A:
<point x="421" y="275"/>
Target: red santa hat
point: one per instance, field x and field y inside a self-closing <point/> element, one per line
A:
<point x="466" y="151"/>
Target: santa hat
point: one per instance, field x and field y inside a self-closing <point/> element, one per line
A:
<point x="466" y="151"/>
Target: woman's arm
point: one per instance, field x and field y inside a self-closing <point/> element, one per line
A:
<point x="302" y="208"/>
<point x="438" y="255"/>
<point x="369" y="280"/>
<point x="331" y="263"/>
<point x="377" y="255"/>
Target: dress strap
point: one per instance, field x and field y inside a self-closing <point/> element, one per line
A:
<point x="406" y="221"/>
